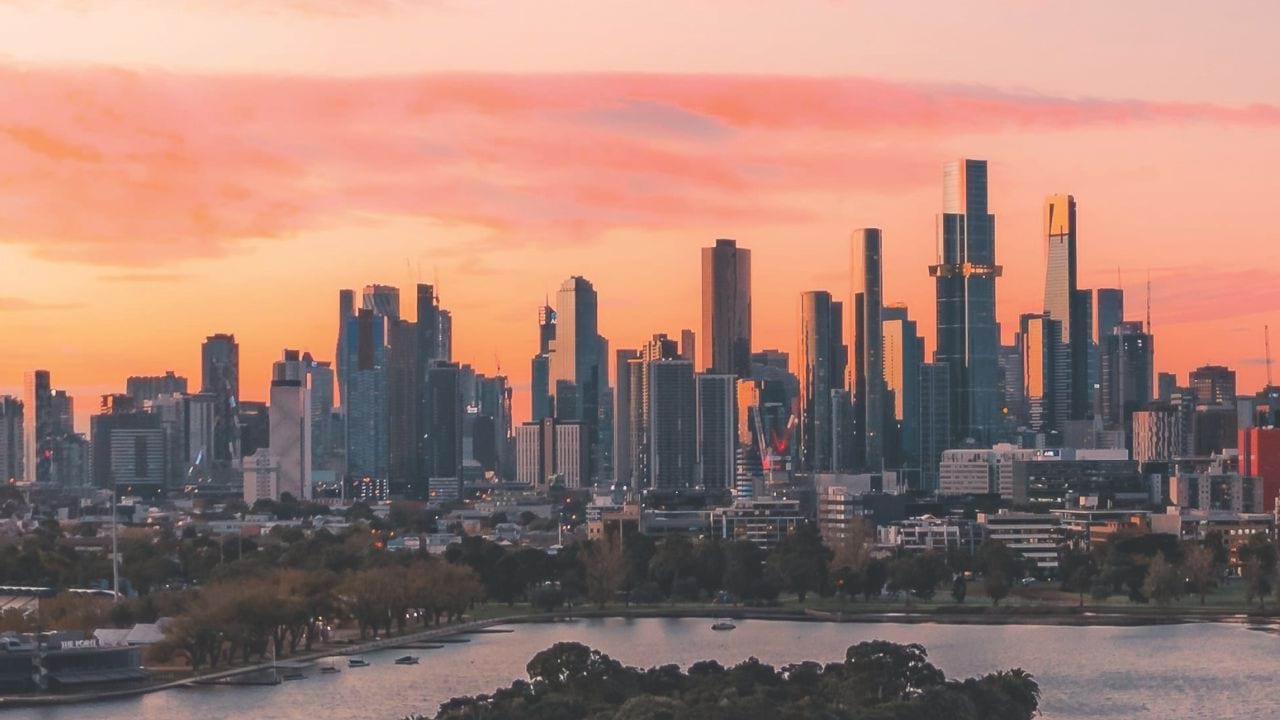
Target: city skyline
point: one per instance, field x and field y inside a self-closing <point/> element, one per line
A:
<point x="227" y="166"/>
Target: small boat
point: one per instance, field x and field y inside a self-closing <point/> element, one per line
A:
<point x="329" y="669"/>
<point x="407" y="660"/>
<point x="292" y="675"/>
<point x="357" y="662"/>
<point x="723" y="625"/>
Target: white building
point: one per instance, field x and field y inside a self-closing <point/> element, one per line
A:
<point x="261" y="476"/>
<point x="1035" y="536"/>
<point x="290" y="421"/>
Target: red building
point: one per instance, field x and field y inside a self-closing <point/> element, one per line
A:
<point x="1260" y="457"/>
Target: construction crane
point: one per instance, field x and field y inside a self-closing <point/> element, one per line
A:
<point x="1266" y="344"/>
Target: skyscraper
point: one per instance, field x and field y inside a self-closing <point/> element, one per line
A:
<point x="365" y="408"/>
<point x="146" y="388"/>
<point x="717" y="410"/>
<point x="822" y="362"/>
<point x="726" y="309"/>
<point x="966" y="272"/>
<point x="868" y="387"/>
<point x="1128" y="356"/>
<point x="38" y="429"/>
<point x="1045" y="372"/>
<point x="575" y="363"/>
<point x="1108" y="312"/>
<point x="11" y="426"/>
<point x="672" y="431"/>
<point x="1063" y="304"/>
<point x="903" y="354"/>
<point x="220" y="377"/>
<point x="346" y="311"/>
<point x="935" y="420"/>
<point x="444" y="431"/>
<point x="130" y="450"/>
<point x="623" y="452"/>
<point x="289" y="414"/>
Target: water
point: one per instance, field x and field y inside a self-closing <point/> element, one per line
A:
<point x="1217" y="671"/>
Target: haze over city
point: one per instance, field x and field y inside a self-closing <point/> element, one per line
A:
<point x="169" y="173"/>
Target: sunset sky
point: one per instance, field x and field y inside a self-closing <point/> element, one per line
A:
<point x="171" y="170"/>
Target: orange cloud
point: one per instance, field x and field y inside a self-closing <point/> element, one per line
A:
<point x="135" y="169"/>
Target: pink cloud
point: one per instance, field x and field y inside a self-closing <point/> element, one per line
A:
<point x="125" y="168"/>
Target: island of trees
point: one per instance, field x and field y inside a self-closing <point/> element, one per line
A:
<point x="878" y="680"/>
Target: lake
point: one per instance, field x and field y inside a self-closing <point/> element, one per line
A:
<point x="1221" y="671"/>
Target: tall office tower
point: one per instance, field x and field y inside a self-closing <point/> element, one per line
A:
<point x="1108" y="312"/>
<point x="427" y="322"/>
<point x="346" y="311"/>
<point x="365" y="405"/>
<point x="130" y="450"/>
<point x="1128" y="357"/>
<point x="1012" y="390"/>
<point x="726" y="309"/>
<point x="575" y="360"/>
<point x="444" y="431"/>
<point x="659" y="347"/>
<point x="1213" y="385"/>
<point x="39" y="427"/>
<point x="220" y="377"/>
<point x="966" y="272"/>
<point x="540" y="386"/>
<point x="406" y="410"/>
<point x="822" y="366"/>
<point x="865" y="308"/>
<point x="623" y="451"/>
<point x="382" y="299"/>
<point x="1166" y="386"/>
<point x="717" y="418"/>
<point x="145" y="388"/>
<point x="1046" y="380"/>
<point x="672" y="430"/>
<point x="1064" y="304"/>
<point x="320" y="380"/>
<point x="935" y="420"/>
<point x="254" y="419"/>
<point x="11" y="457"/>
<point x="289" y="413"/>
<point x="903" y="353"/>
<point x="546" y="327"/>
<point x="64" y="413"/>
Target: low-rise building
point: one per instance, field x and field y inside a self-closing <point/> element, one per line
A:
<point x="762" y="521"/>
<point x="1038" y="537"/>
<point x="1090" y="525"/>
<point x="1216" y="491"/>
<point x="926" y="533"/>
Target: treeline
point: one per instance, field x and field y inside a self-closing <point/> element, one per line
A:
<point x="880" y="680"/>
<point x="274" y="614"/>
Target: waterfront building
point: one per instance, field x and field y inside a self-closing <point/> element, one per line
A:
<point x="1037" y="537"/>
<point x="930" y="534"/>
<point x="761" y="521"/>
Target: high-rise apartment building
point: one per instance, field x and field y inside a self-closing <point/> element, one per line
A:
<point x="623" y="453"/>
<point x="822" y="364"/>
<point x="903" y="354"/>
<point x="726" y="309"/>
<point x="444" y="431"/>
<point x="1158" y="433"/>
<point x="965" y="273"/>
<point x="578" y="370"/>
<point x="1046" y="368"/>
<point x="865" y="309"/>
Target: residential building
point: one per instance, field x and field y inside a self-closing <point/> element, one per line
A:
<point x="726" y="310"/>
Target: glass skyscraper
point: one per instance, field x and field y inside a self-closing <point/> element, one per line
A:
<point x="726" y="309"/>
<point x="966" y="272"/>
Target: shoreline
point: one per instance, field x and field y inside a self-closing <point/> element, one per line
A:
<point x="1049" y="616"/>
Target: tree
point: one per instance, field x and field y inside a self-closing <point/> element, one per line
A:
<point x="743" y="568"/>
<point x="801" y="559"/>
<point x="959" y="588"/>
<point x="1078" y="572"/>
<point x="1257" y="578"/>
<point x="1200" y="569"/>
<point x="997" y="586"/>
<point x="852" y="549"/>
<point x="604" y="565"/>
<point x="1000" y="567"/>
<point x="1163" y="584"/>
<point x="881" y="671"/>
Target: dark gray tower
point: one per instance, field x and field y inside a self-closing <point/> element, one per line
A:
<point x="868" y="387"/>
<point x="726" y="309"/>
